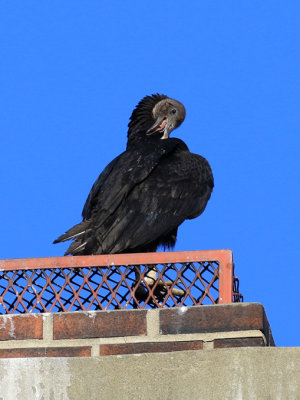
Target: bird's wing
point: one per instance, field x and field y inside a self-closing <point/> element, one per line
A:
<point x="140" y="199"/>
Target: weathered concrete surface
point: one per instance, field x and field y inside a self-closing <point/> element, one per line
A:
<point x="225" y="374"/>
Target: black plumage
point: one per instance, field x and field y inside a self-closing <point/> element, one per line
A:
<point x="144" y="194"/>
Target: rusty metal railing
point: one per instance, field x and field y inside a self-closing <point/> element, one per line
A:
<point x="117" y="281"/>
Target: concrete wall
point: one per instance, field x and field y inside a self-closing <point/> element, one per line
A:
<point x="261" y="373"/>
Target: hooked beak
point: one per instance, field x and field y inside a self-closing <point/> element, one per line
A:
<point x="160" y="125"/>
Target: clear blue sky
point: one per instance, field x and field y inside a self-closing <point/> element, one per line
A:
<point x="71" y="73"/>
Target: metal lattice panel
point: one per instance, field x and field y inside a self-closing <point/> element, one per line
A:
<point x="44" y="285"/>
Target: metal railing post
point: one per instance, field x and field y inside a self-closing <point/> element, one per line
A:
<point x="226" y="277"/>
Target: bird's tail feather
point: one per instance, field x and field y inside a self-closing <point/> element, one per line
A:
<point x="76" y="249"/>
<point x="75" y="232"/>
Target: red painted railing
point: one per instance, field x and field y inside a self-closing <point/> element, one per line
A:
<point x="117" y="281"/>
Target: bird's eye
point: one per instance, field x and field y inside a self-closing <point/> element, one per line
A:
<point x="173" y="111"/>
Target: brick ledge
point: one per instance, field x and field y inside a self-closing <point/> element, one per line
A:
<point x="134" y="331"/>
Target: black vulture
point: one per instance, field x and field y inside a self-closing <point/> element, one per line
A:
<point x="143" y="195"/>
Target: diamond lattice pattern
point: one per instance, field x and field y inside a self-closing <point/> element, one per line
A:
<point x="114" y="287"/>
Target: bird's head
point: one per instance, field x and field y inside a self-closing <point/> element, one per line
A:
<point x="155" y="117"/>
<point x="167" y="114"/>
